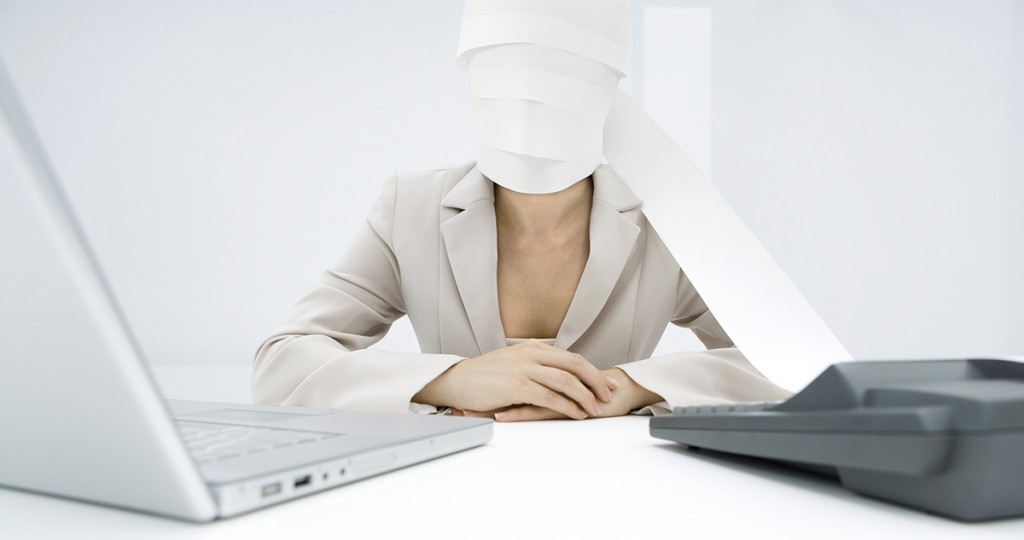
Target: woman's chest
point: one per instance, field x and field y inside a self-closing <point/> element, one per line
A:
<point x="536" y="285"/>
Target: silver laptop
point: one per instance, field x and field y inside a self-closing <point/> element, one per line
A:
<point x="80" y="416"/>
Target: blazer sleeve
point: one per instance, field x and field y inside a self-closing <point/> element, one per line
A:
<point x="721" y="374"/>
<point x="319" y="355"/>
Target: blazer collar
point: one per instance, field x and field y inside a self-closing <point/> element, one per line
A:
<point x="473" y="187"/>
<point x="613" y="191"/>
<point x="470" y="238"/>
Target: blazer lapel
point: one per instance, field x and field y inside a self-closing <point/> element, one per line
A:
<point x="612" y="239"/>
<point x="470" y="239"/>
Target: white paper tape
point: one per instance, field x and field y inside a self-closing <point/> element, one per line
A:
<point x="542" y="74"/>
<point x="502" y="28"/>
<point x="566" y="93"/>
<point x="751" y="297"/>
<point x="539" y="130"/>
<point x="528" y="174"/>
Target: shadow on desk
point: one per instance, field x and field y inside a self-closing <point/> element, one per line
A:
<point x="817" y="479"/>
<point x="822" y="480"/>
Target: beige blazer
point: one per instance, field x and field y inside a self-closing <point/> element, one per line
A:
<point x="429" y="251"/>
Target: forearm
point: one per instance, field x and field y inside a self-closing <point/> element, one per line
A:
<point x="315" y="371"/>
<point x="703" y="377"/>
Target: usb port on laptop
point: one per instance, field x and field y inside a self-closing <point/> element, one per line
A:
<point x="271" y="489"/>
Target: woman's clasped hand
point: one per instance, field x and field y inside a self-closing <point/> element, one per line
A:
<point x="533" y="381"/>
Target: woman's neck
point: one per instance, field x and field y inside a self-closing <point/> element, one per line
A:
<point x="545" y="215"/>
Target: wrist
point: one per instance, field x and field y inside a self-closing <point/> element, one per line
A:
<point x="435" y="392"/>
<point x="636" y="396"/>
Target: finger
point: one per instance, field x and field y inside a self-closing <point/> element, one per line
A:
<point x="542" y="396"/>
<point x="567" y="384"/>
<point x="578" y="366"/>
<point x="527" y="413"/>
<point x="477" y="414"/>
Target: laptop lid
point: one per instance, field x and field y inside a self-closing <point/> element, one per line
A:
<point x="71" y="376"/>
<point x="81" y="415"/>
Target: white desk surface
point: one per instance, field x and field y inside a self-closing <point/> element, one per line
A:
<point x="593" y="479"/>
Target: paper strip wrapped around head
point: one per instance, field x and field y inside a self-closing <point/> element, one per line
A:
<point x="544" y="80"/>
<point x="542" y="75"/>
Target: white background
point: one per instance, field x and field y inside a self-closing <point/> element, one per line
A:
<point x="220" y="153"/>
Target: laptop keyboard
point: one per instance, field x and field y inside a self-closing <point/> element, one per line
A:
<point x="218" y="442"/>
<point x="750" y="406"/>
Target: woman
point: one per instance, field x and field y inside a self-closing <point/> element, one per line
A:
<point x="536" y="286"/>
